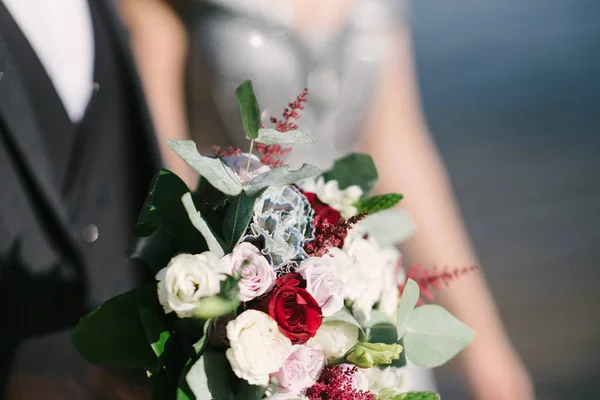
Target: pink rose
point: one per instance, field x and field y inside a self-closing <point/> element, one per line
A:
<point x="239" y="164"/>
<point x="257" y="275"/>
<point x="299" y="371"/>
<point x="322" y="283"/>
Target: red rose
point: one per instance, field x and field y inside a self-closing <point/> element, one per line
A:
<point x="297" y="313"/>
<point x="322" y="210"/>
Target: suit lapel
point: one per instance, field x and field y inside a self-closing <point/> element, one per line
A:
<point x="21" y="132"/>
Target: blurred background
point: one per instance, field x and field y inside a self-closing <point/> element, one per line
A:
<point x="510" y="89"/>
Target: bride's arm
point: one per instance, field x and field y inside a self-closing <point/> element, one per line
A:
<point x="159" y="44"/>
<point x="408" y="162"/>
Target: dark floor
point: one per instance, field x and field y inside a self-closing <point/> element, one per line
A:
<point x="511" y="90"/>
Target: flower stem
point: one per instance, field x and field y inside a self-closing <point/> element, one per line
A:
<point x="248" y="164"/>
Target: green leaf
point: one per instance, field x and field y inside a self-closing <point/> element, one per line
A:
<point x="238" y="217"/>
<point x="415" y="396"/>
<point x="113" y="334"/>
<point x="156" y="331"/>
<point x="210" y="377"/>
<point x="200" y="345"/>
<point x="434" y="336"/>
<point x="408" y="301"/>
<point x="155" y="250"/>
<point x="214" y="170"/>
<point x="163" y="210"/>
<point x="280" y="176"/>
<point x="159" y="337"/>
<point x="389" y="227"/>
<point x="247" y="391"/>
<point x="215" y="244"/>
<point x="184" y="392"/>
<point x="271" y="136"/>
<point x="378" y="203"/>
<point x="381" y="329"/>
<point x="354" y="169"/>
<point x="161" y="386"/>
<point x="249" y="109"/>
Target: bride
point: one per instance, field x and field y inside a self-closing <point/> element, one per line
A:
<point x="355" y="58"/>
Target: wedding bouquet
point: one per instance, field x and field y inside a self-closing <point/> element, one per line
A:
<point x="272" y="282"/>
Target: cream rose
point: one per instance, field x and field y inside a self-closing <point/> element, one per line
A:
<point x="257" y="275"/>
<point x="186" y="279"/>
<point x="335" y="338"/>
<point x="322" y="283"/>
<point x="258" y="348"/>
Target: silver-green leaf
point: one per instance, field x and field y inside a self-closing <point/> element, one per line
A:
<point x="200" y="224"/>
<point x="271" y="136"/>
<point x="214" y="170"/>
<point x="410" y="296"/>
<point x="281" y="176"/>
<point x="434" y="336"/>
<point x="389" y="227"/>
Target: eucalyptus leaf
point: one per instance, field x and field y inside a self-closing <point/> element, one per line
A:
<point x="249" y="109"/>
<point x="434" y="336"/>
<point x="271" y="136"/>
<point x="113" y="334"/>
<point x="354" y="169"/>
<point x="214" y="170"/>
<point x="210" y="377"/>
<point x="214" y="244"/>
<point x="237" y="218"/>
<point x="280" y="176"/>
<point x="408" y="301"/>
<point x="389" y="227"/>
<point x="344" y="316"/>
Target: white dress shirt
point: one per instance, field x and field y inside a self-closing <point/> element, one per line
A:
<point x="62" y="35"/>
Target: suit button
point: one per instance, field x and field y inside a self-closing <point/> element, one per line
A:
<point x="90" y="233"/>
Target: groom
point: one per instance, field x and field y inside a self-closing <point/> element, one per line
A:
<point x="77" y="151"/>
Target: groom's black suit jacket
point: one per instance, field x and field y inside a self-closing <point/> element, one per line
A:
<point x="68" y="192"/>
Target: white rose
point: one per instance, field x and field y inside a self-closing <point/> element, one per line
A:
<point x="329" y="193"/>
<point x="186" y="279"/>
<point x="257" y="275"/>
<point x="323" y="284"/>
<point x="299" y="371"/>
<point x="335" y="338"/>
<point x="258" y="348"/>
<point x="387" y="381"/>
<point x="239" y="164"/>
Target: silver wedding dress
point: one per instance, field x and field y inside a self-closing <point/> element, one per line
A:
<point x="234" y="40"/>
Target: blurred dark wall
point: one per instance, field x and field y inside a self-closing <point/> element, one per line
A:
<point x="511" y="90"/>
